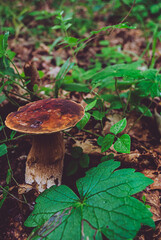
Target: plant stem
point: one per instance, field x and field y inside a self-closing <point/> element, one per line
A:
<point x="3" y="129"/>
<point x="14" y="196"/>
<point x="23" y="82"/>
<point x="117" y="92"/>
<point x="153" y="58"/>
<point x="9" y="98"/>
<point x="102" y="107"/>
<point x="16" y="69"/>
<point x="21" y="96"/>
<point x="128" y="99"/>
<point x="87" y="131"/>
<point x="13" y="139"/>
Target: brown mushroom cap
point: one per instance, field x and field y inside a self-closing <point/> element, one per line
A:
<point x="45" y="116"/>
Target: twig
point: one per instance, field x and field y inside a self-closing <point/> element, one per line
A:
<point x="9" y="98"/>
<point x="112" y="29"/>
<point x="128" y="12"/>
<point x="87" y="131"/>
<point x="14" y="196"/>
<point x="21" y="96"/>
<point x="13" y="139"/>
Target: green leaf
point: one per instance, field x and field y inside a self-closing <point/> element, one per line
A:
<point x="35" y="88"/>
<point x="116" y="105"/>
<point x="123" y="144"/>
<point x="3" y="47"/>
<point x="67" y="26"/>
<point x="98" y="115"/>
<point x="13" y="133"/>
<point x="81" y="124"/>
<point x="119" y="126"/>
<point x="61" y="74"/>
<point x="108" y="157"/>
<point x="64" y="69"/>
<point x="107" y="142"/>
<point x="129" y="71"/>
<point x="5" y="193"/>
<point x="2" y="98"/>
<point x="9" y="176"/>
<point x="10" y="54"/>
<point x="57" y="40"/>
<point x="1" y="127"/>
<point x="121" y="25"/>
<point x="105" y="206"/>
<point x="84" y="161"/>
<point x="110" y="98"/>
<point x="100" y="140"/>
<point x="149" y="88"/>
<point x="62" y="197"/>
<point x="124" y="25"/>
<point x="3" y="41"/>
<point x="56" y="27"/>
<point x="90" y="105"/>
<point x="3" y="149"/>
<point x="71" y="40"/>
<point x="145" y="110"/>
<point x="72" y="167"/>
<point x="75" y="87"/>
<point x="76" y="152"/>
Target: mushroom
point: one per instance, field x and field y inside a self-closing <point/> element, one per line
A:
<point x="45" y="119"/>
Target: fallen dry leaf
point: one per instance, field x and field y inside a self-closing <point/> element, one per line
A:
<point x="89" y="146"/>
<point x="152" y="199"/>
<point x="24" y="188"/>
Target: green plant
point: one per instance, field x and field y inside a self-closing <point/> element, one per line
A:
<point x="12" y="15"/>
<point x="10" y="77"/>
<point x="137" y="85"/>
<point x="61" y="75"/>
<point x="144" y="201"/>
<point x="122" y="144"/>
<point x="81" y="124"/>
<point x="78" y="159"/>
<point x="64" y="22"/>
<point x="4" y="151"/>
<point x="104" y="207"/>
<point x="141" y="9"/>
<point x="112" y="55"/>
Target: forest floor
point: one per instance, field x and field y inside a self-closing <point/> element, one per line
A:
<point x="145" y="155"/>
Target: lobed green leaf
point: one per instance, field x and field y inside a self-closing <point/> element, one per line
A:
<point x="105" y="207"/>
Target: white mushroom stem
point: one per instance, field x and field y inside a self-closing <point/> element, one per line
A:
<point x="44" y="164"/>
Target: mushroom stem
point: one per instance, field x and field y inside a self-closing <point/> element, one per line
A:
<point x="44" y="164"/>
